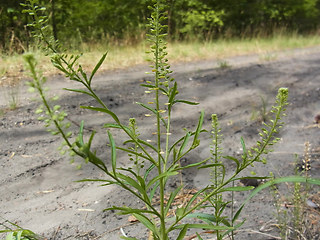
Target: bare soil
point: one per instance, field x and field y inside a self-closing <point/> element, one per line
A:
<point x="38" y="188"/>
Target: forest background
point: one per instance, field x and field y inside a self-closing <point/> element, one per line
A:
<point x="123" y="22"/>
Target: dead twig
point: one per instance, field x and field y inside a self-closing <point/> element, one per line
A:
<point x="54" y="235"/>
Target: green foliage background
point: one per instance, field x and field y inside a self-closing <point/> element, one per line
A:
<point x="124" y="21"/>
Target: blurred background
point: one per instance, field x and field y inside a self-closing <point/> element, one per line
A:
<point x="123" y="22"/>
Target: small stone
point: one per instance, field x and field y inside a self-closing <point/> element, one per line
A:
<point x="250" y="182"/>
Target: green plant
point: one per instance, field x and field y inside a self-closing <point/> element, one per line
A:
<point x="281" y="212"/>
<point x="3" y="71"/>
<point x="268" y="57"/>
<point x="291" y="208"/>
<point x="294" y="209"/>
<point x="13" y="97"/>
<point x="223" y="64"/>
<point x="15" y="232"/>
<point x="153" y="163"/>
<point x="262" y="113"/>
<point x="144" y="186"/>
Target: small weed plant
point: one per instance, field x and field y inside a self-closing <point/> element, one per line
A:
<point x="15" y="232"/>
<point x="152" y="163"/>
<point x="13" y="97"/>
<point x="223" y="64"/>
<point x="260" y="114"/>
<point x="268" y="57"/>
<point x="295" y="211"/>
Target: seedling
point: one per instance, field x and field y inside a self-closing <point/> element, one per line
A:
<point x="223" y="64"/>
<point x="13" y="97"/>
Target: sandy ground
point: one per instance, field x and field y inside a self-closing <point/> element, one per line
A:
<point x="37" y="185"/>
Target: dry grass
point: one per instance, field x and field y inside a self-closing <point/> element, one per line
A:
<point x="11" y="67"/>
<point x="227" y="48"/>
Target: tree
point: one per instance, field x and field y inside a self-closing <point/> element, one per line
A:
<point x="79" y="21"/>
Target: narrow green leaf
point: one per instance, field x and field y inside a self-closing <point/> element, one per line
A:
<point x="148" y="144"/>
<point x="136" y="153"/>
<point x="81" y="133"/>
<point x="183" y="232"/>
<point x="112" y="125"/>
<point x="199" y="237"/>
<point x="153" y="190"/>
<point x="211" y="165"/>
<point x="91" y="139"/>
<point x="153" y="111"/>
<point x="192" y="165"/>
<point x="83" y="74"/>
<point x="173" y="93"/>
<point x="198" y="130"/>
<point x="162" y="175"/>
<point x="237" y="189"/>
<point x="182" y="138"/>
<point x="97" y="67"/>
<point x="145" y="221"/>
<point x="186" y="102"/>
<point x="184" y="144"/>
<point x="70" y="65"/>
<point x="149" y="170"/>
<point x="194" y="198"/>
<point x="130" y="181"/>
<point x="226" y="233"/>
<point x="243" y="147"/>
<point x="112" y="114"/>
<point x="233" y="159"/>
<point x="96" y="180"/>
<point x="147" y="85"/>
<point x="113" y="152"/>
<point x="174" y="155"/>
<point x="237" y="214"/>
<point x="116" y="125"/>
<point x="147" y="107"/>
<point x="128" y="210"/>
<point x="171" y="199"/>
<point x="59" y="66"/>
<point x="95" y="160"/>
<point x="205" y="226"/>
<point x="266" y="177"/>
<point x="107" y="182"/>
<point x="207" y="216"/>
<point x="139" y="178"/>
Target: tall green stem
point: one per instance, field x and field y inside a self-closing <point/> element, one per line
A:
<point x="161" y="166"/>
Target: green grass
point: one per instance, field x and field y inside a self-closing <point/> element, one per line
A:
<point x="126" y="56"/>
